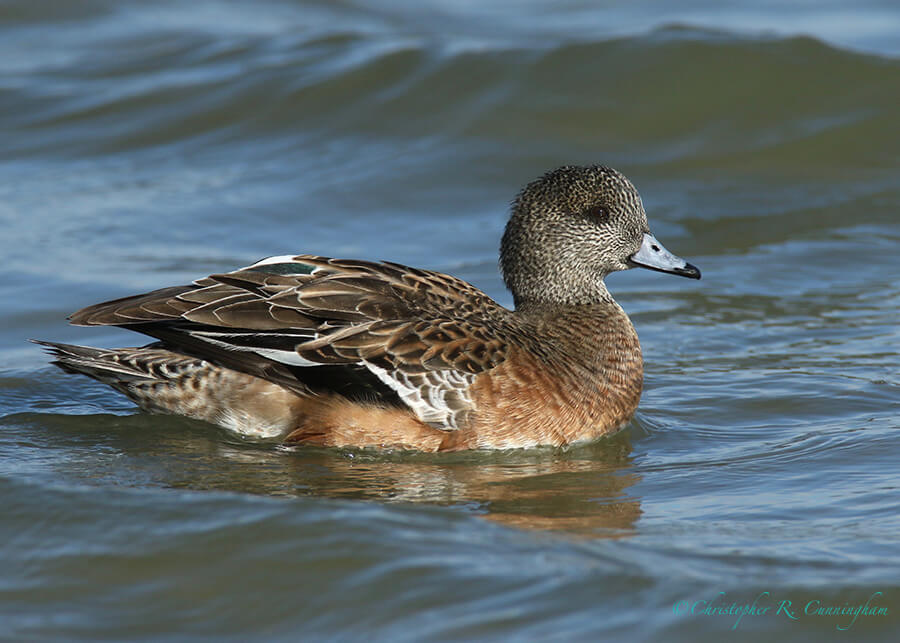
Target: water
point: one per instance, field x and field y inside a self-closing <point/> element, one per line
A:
<point x="142" y="146"/>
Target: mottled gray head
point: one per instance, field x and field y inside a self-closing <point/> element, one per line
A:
<point x="572" y="227"/>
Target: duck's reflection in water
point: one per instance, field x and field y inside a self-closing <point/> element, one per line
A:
<point x="583" y="490"/>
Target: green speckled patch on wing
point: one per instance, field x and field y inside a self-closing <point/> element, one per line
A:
<point x="293" y="268"/>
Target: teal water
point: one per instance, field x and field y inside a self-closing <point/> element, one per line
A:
<point x="149" y="145"/>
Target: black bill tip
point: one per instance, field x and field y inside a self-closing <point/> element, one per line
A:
<point x="690" y="271"/>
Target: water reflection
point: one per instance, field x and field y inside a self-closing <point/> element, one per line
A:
<point x="581" y="490"/>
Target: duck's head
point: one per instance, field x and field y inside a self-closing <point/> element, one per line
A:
<point x="572" y="227"/>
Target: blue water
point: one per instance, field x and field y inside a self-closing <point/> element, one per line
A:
<point x="148" y="145"/>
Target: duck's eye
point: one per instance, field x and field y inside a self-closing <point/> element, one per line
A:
<point x="598" y="213"/>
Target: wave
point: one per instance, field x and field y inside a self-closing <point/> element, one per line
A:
<point x="676" y="94"/>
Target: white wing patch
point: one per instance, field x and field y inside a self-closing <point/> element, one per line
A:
<point x="272" y="260"/>
<point x="284" y="356"/>
<point x="439" y="398"/>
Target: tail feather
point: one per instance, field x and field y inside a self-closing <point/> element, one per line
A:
<point x="120" y="365"/>
<point x="160" y="380"/>
<point x="101" y="364"/>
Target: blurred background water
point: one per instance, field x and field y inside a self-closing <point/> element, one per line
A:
<point x="148" y="144"/>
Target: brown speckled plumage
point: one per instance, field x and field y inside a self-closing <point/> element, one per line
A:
<point x="334" y="352"/>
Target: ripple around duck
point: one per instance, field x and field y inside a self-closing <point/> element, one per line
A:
<point x="183" y="548"/>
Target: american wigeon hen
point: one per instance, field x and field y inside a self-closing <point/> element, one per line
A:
<point x="342" y="352"/>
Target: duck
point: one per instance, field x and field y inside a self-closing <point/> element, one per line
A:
<point x="350" y="353"/>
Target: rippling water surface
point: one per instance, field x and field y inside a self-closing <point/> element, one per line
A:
<point x="148" y="144"/>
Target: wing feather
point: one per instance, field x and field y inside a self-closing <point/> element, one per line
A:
<point x="425" y="335"/>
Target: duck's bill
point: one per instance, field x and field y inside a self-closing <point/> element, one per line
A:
<point x="654" y="256"/>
